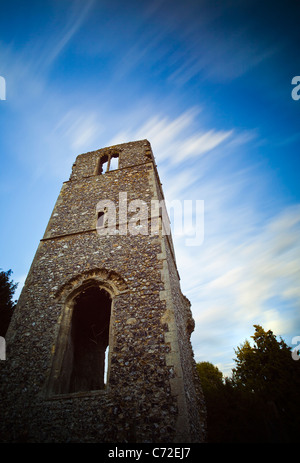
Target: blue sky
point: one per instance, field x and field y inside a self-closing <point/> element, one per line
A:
<point x="208" y="83"/>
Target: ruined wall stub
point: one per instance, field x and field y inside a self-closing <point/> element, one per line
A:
<point x="152" y="393"/>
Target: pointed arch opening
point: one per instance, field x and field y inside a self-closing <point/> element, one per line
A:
<point x="80" y="362"/>
<point x="89" y="339"/>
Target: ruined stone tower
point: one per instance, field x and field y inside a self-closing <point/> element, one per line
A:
<point x="99" y="349"/>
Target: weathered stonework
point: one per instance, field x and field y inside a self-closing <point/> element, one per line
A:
<point x="153" y="392"/>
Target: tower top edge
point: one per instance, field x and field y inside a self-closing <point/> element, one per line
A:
<point x="120" y="147"/>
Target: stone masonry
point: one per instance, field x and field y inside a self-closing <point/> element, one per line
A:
<point x="50" y="389"/>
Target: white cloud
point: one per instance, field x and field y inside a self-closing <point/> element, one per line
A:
<point x="170" y="138"/>
<point x="80" y="129"/>
<point x="251" y="282"/>
<point x="161" y="130"/>
<point x="201" y="143"/>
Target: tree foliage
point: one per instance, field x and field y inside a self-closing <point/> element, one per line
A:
<point x="7" y="305"/>
<point x="211" y="376"/>
<point x="260" y="401"/>
<point x="267" y="368"/>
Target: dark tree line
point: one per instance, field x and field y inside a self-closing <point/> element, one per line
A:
<point x="260" y="402"/>
<point x="7" y="304"/>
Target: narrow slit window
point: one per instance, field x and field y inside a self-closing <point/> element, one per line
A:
<point x="104" y="165"/>
<point x="114" y="162"/>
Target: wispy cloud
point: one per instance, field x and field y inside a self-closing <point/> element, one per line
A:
<point x="77" y="17"/>
<point x="203" y="42"/>
<point x="27" y="67"/>
<point x="79" y="129"/>
<point x="170" y="137"/>
<point x="235" y="285"/>
<point x="229" y="56"/>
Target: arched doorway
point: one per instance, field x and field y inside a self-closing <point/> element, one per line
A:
<point x="83" y="340"/>
<point x="85" y="335"/>
<point x="89" y="338"/>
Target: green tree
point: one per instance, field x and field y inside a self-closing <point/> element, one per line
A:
<point x="267" y="367"/>
<point x="7" y="305"/>
<point x="211" y="377"/>
<point x="233" y="415"/>
<point x="260" y="402"/>
<point x="214" y="391"/>
<point x="267" y="371"/>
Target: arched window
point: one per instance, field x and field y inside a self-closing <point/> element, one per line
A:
<point x="89" y="339"/>
<point x="108" y="162"/>
<point x="80" y="360"/>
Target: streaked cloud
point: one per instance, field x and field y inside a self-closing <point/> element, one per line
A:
<point x="225" y="59"/>
<point x="80" y="130"/>
<point x="250" y="282"/>
<point x="169" y="139"/>
<point x="78" y="15"/>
